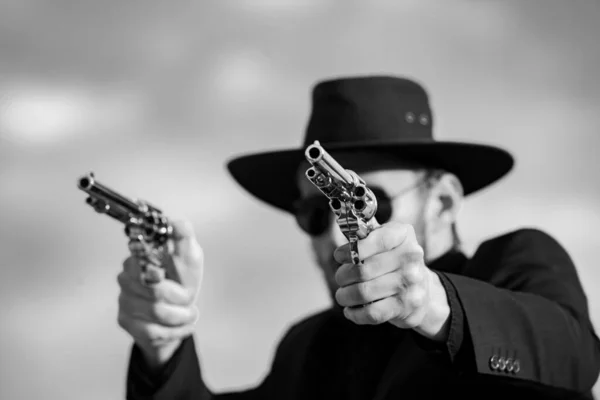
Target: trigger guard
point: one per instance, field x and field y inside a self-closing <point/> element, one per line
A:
<point x="354" y="252"/>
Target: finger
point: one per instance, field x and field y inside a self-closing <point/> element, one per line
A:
<point x="135" y="246"/>
<point x="135" y="266"/>
<point x="156" y="312"/>
<point x="142" y="270"/>
<point x="371" y="268"/>
<point x="366" y="292"/>
<point x="166" y="290"/>
<point x="376" y="313"/>
<point x="152" y="333"/>
<point x="187" y="260"/>
<point x="386" y="238"/>
<point x="182" y="229"/>
<point x="185" y="244"/>
<point x="132" y="266"/>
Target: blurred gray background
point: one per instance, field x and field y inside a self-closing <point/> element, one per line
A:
<point x="156" y="96"/>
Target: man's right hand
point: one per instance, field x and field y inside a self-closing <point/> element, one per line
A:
<point x="160" y="316"/>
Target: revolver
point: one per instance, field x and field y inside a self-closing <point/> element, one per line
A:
<point x="146" y="227"/>
<point x="352" y="202"/>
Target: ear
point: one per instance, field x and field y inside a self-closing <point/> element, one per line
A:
<point x="447" y="195"/>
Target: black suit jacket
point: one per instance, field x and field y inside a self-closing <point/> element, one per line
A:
<point x="519" y="326"/>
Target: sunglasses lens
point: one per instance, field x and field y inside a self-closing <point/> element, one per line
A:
<point x="384" y="206"/>
<point x="313" y="215"/>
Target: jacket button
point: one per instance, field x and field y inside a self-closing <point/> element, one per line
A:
<point x="509" y="365"/>
<point x="502" y="364"/>
<point x="494" y="364"/>
<point x="516" y="367"/>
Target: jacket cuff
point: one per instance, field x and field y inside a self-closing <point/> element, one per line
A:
<point x="176" y="380"/>
<point x="453" y="344"/>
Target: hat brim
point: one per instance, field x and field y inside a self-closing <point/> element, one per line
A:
<point x="272" y="176"/>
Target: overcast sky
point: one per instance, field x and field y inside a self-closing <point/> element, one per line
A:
<point x="156" y="96"/>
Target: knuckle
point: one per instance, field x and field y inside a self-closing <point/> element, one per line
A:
<point x="413" y="255"/>
<point x="415" y="249"/>
<point x="395" y="235"/>
<point x="386" y="239"/>
<point x="158" y="312"/>
<point x="195" y="252"/>
<point x="407" y="231"/>
<point x="187" y="316"/>
<point x="184" y="229"/>
<point x="364" y="272"/>
<point x="158" y="291"/>
<point x="189" y="296"/>
<point x="412" y="273"/>
<point x="399" y="284"/>
<point x="415" y="298"/>
<point x="194" y="315"/>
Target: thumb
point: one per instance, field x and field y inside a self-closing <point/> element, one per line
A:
<point x="186" y="264"/>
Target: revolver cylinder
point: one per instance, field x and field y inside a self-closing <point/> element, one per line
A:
<point x="353" y="203"/>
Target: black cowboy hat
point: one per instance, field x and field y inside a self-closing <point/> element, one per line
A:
<point x="374" y="117"/>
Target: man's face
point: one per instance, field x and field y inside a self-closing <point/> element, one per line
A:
<point x="407" y="208"/>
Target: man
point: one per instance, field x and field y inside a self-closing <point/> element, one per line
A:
<point x="416" y="318"/>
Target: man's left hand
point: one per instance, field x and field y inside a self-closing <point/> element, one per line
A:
<point x="392" y="283"/>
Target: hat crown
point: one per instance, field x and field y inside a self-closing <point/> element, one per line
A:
<point x="369" y="109"/>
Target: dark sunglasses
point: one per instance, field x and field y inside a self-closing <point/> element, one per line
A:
<point x="314" y="215"/>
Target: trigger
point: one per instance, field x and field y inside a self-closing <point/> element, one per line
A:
<point x="354" y="252"/>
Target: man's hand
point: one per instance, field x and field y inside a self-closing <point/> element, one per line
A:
<point x="160" y="316"/>
<point x="392" y="283"/>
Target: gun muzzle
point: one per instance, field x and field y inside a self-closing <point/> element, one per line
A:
<point x="360" y="192"/>
<point x="95" y="189"/>
<point x="318" y="178"/>
<point x="86" y="181"/>
<point x="316" y="155"/>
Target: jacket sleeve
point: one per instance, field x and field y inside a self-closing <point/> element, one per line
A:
<point x="526" y="314"/>
<point x="180" y="379"/>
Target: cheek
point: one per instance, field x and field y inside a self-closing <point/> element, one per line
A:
<point x="410" y="211"/>
<point x="407" y="211"/>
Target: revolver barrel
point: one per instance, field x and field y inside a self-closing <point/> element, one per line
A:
<point x="350" y="199"/>
<point x="89" y="184"/>
<point x="107" y="201"/>
<point x="317" y="156"/>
